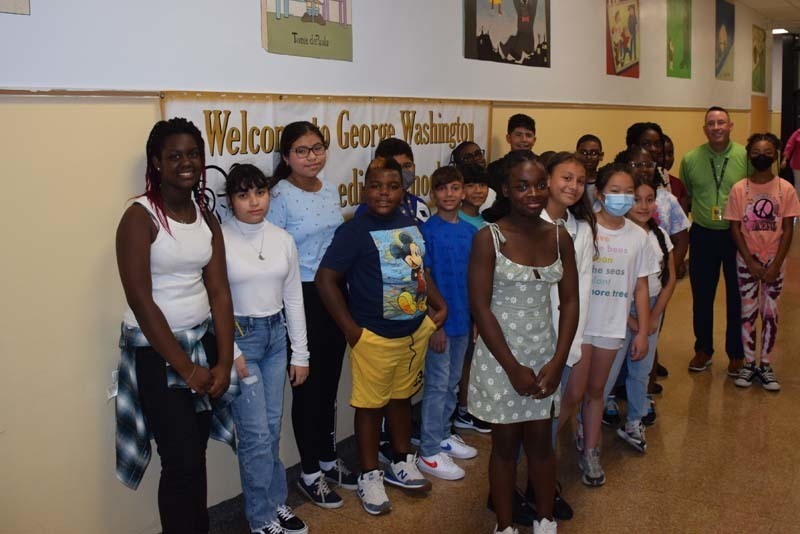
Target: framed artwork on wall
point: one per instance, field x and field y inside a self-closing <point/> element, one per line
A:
<point x="309" y="28"/>
<point x="508" y="31"/>
<point x="759" y="60"/>
<point x="679" y="38"/>
<point x="15" y="7"/>
<point x="623" y="40"/>
<point x="725" y="37"/>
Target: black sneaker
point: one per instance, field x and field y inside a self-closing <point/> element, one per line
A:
<point x="319" y="493"/>
<point x="272" y="528"/>
<point x="649" y="418"/>
<point x="611" y="413"/>
<point x="767" y="378"/>
<point x="467" y="421"/>
<point x="661" y="371"/>
<point x="522" y="513"/>
<point x="290" y="522"/>
<point x="747" y="374"/>
<point x="340" y="475"/>
<point x="561" y="509"/>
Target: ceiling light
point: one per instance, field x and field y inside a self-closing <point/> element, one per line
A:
<point x="779" y="31"/>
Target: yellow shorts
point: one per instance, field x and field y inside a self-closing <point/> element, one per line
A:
<point x="384" y="369"/>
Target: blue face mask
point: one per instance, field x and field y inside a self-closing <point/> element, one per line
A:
<point x="618" y="204"/>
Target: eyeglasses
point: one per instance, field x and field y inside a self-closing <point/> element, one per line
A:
<point x="470" y="157"/>
<point x="591" y="153"/>
<point x="642" y="165"/>
<point x="304" y="151"/>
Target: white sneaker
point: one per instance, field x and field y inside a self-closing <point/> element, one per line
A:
<point x="440" y="465"/>
<point x="405" y="474"/>
<point x="507" y="530"/>
<point x="454" y="446"/>
<point x="372" y="493"/>
<point x="545" y="526"/>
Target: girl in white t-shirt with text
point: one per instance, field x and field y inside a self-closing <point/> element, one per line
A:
<point x="619" y="278"/>
<point x="661" y="285"/>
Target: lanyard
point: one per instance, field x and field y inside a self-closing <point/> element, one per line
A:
<point x="718" y="180"/>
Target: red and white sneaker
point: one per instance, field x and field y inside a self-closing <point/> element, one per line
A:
<point x="441" y="466"/>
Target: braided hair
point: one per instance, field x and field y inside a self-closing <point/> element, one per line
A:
<point x="502" y="205"/>
<point x="155" y="145"/>
<point x="652" y="225"/>
<point x="770" y="137"/>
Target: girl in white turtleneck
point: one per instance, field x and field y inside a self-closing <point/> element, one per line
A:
<point x="264" y="276"/>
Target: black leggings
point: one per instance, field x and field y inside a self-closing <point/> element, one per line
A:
<point x="181" y="436"/>
<point x="314" y="402"/>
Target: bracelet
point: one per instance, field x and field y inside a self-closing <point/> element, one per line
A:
<point x="194" y="369"/>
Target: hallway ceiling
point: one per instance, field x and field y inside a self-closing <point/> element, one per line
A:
<point x="781" y="13"/>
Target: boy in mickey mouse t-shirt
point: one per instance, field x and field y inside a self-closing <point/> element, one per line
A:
<point x="761" y="209"/>
<point x="391" y="312"/>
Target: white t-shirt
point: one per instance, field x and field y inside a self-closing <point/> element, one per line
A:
<point x="654" y="280"/>
<point x="583" y="242"/>
<point x="624" y="255"/>
<point x="260" y="288"/>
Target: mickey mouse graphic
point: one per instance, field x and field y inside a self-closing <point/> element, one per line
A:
<point x="406" y="249"/>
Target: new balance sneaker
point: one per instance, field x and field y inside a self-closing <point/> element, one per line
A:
<point x="611" y="412"/>
<point x="290" y="522"/>
<point x="441" y="466"/>
<point x="467" y="421"/>
<point x="372" y="493"/>
<point x="340" y="475"/>
<point x="319" y="493"/>
<point x="405" y="474"/>
<point x="589" y="463"/>
<point x="633" y="434"/>
<point x="767" y="378"/>
<point x="272" y="528"/>
<point x="747" y="374"/>
<point x="454" y="446"/>
<point x="649" y="418"/>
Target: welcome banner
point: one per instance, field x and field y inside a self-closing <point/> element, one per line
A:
<point x="247" y="129"/>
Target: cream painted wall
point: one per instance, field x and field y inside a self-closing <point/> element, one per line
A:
<point x="69" y="164"/>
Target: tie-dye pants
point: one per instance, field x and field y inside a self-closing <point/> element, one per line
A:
<point x="758" y="297"/>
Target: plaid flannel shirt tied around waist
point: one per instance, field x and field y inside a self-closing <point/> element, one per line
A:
<point x="133" y="435"/>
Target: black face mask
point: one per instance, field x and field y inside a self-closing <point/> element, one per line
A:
<point x="762" y="162"/>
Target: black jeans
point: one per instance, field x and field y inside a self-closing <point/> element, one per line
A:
<point x="314" y="402"/>
<point x="708" y="250"/>
<point x="181" y="436"/>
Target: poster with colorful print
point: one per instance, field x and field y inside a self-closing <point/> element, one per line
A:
<point x="401" y="252"/>
<point x="679" y="38"/>
<point x="508" y="31"/>
<point x="622" y="38"/>
<point x="308" y="28"/>
<point x="725" y="37"/>
<point x="759" y="60"/>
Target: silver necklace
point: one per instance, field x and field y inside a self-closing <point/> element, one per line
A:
<point x="260" y="248"/>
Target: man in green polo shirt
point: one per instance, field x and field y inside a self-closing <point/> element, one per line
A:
<point x="709" y="171"/>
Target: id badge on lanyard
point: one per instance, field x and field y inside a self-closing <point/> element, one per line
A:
<point x="716" y="209"/>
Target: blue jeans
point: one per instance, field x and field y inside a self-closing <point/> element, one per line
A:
<point x="440" y="393"/>
<point x="257" y="413"/>
<point x="638" y="371"/>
